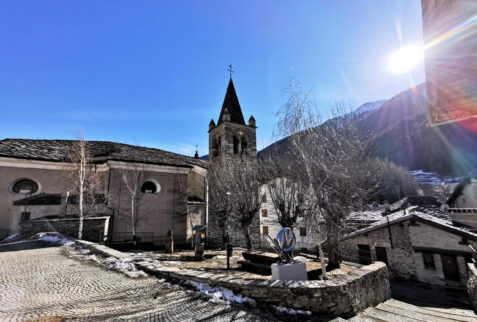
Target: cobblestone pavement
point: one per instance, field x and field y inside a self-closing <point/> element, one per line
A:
<point x="45" y="285"/>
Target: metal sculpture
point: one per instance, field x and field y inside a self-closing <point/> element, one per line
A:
<point x="283" y="245"/>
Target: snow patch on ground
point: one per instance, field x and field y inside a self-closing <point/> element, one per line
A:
<point x="10" y="237"/>
<point x="218" y="294"/>
<point x="286" y="310"/>
<point x="55" y="239"/>
<point x="125" y="266"/>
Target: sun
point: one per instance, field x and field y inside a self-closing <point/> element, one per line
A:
<point x="405" y="59"/>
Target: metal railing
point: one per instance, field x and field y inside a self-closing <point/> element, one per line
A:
<point x="148" y="238"/>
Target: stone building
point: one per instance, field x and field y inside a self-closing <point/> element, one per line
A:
<point x="306" y="235"/>
<point x="38" y="190"/>
<point x="461" y="206"/>
<point x="415" y="246"/>
<point x="231" y="140"/>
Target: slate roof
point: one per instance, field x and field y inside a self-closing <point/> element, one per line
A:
<point x="231" y="103"/>
<point x="101" y="151"/>
<point x="41" y="199"/>
<point x="412" y="213"/>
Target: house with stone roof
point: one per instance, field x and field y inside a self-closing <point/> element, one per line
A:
<point x="415" y="246"/>
<point x="462" y="204"/>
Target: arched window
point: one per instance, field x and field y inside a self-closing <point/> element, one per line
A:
<point x="149" y="187"/>
<point x="244" y="145"/>
<point x="236" y="145"/>
<point x="25" y="186"/>
<point x="216" y="147"/>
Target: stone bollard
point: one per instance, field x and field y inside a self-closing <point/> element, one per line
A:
<point x="170" y="242"/>
<point x="199" y="241"/>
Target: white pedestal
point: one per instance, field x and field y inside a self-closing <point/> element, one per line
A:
<point x="289" y="272"/>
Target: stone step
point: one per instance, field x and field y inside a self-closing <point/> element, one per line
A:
<point x="452" y="314"/>
<point x="360" y="318"/>
<point x="413" y="313"/>
<point x="387" y="316"/>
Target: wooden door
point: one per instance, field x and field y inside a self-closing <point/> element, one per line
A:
<point x="450" y="268"/>
<point x="381" y="255"/>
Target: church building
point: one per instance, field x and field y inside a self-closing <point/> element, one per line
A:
<point x="129" y="190"/>
<point x="231" y="140"/>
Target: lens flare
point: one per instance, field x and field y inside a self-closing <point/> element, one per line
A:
<point x="405" y="59"/>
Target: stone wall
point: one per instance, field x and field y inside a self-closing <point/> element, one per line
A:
<point x="343" y="295"/>
<point x="472" y="285"/>
<point x="94" y="228"/>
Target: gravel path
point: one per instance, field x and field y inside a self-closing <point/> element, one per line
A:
<point x="44" y="284"/>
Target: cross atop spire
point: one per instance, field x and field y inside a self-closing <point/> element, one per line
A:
<point x="230" y="70"/>
<point x="231" y="106"/>
<point x="196" y="155"/>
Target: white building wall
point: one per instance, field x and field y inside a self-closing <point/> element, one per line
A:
<point x="271" y="222"/>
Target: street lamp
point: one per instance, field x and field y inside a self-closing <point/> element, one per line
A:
<point x="228" y="248"/>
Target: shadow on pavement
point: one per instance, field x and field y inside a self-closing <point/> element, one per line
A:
<point x="24" y="245"/>
<point x="427" y="295"/>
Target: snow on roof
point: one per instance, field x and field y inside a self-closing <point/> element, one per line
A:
<point x="414" y="213"/>
<point x="366" y="215"/>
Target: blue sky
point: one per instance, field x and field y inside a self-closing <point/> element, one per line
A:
<point x="154" y="73"/>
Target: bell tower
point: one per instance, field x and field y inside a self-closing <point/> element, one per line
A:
<point x="231" y="139"/>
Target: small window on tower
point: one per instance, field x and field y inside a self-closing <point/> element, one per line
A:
<point x="302" y="231"/>
<point x="264" y="212"/>
<point x="236" y="145"/>
<point x="244" y="146"/>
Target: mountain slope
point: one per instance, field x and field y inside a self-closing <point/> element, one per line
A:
<point x="399" y="131"/>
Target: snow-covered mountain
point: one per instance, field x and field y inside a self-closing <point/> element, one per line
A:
<point x="368" y="107"/>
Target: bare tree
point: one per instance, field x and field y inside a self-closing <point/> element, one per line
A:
<point x="81" y="178"/>
<point x="331" y="160"/>
<point x="132" y="179"/>
<point x="234" y="197"/>
<point x="289" y="197"/>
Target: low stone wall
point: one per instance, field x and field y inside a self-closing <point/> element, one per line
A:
<point x="472" y="285"/>
<point x="343" y="295"/>
<point x="94" y="228"/>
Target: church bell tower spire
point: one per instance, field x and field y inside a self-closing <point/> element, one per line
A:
<point x="232" y="138"/>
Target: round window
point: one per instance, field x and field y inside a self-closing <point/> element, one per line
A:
<point x="25" y="186"/>
<point x="150" y="187"/>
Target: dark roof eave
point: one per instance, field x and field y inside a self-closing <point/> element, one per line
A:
<point x="450" y="229"/>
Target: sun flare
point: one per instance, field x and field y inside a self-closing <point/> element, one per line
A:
<point x="405" y="59"/>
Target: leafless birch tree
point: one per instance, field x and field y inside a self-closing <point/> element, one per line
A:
<point x="81" y="177"/>
<point x="132" y="179"/>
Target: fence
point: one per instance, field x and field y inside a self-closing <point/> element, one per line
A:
<point x="149" y="238"/>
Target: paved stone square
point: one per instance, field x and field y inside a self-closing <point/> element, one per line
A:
<point x="44" y="284"/>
